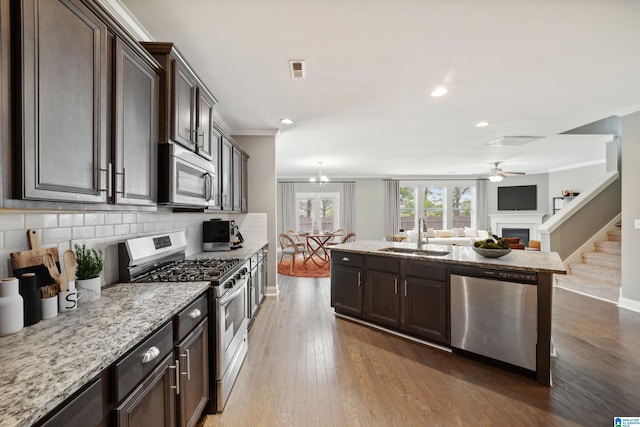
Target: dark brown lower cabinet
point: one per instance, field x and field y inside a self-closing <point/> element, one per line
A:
<point x="411" y="297"/>
<point x="194" y="375"/>
<point x="84" y="410"/>
<point x="424" y="312"/>
<point x="153" y="402"/>
<point x="346" y="297"/>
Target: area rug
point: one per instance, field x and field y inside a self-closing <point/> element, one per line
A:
<point x="302" y="269"/>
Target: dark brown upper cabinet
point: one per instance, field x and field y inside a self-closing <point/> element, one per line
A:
<point x="81" y="134"/>
<point x="186" y="105"/>
<point x="60" y="63"/>
<point x="135" y="118"/>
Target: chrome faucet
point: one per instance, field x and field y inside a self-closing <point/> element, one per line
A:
<point x="421" y="236"/>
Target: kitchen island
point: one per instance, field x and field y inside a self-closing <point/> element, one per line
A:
<point x="407" y="290"/>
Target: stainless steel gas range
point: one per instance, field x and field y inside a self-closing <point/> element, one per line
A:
<point x="161" y="258"/>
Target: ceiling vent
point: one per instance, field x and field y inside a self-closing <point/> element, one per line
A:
<point x="297" y="69"/>
<point x="510" y="141"/>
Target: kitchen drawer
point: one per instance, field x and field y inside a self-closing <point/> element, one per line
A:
<point x="82" y="411"/>
<point x="188" y="318"/>
<point x="426" y="271"/>
<point x="133" y="367"/>
<point x="347" y="259"/>
<point x="381" y="263"/>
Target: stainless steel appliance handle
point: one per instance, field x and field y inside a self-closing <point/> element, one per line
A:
<point x="226" y="298"/>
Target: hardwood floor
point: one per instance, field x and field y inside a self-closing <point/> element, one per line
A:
<point x="306" y="367"/>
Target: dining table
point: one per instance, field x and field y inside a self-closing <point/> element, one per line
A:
<point x="317" y="246"/>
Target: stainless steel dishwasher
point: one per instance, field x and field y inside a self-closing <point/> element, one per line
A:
<point x="494" y="314"/>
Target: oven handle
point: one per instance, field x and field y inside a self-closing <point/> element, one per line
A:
<point x="226" y="298"/>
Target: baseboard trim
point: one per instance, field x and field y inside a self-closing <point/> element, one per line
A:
<point x="629" y="304"/>
<point x="272" y="291"/>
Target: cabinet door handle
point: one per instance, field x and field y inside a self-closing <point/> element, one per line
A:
<point x="150" y="354"/>
<point x="359" y="279"/>
<point x="176" y="376"/>
<point x="405" y="288"/>
<point x="345" y="259"/>
<point x="188" y="365"/>
<point x="124" y="183"/>
<point x="195" y="313"/>
<point x="395" y="281"/>
<point x="109" y="172"/>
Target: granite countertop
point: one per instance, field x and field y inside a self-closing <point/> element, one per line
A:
<point x="45" y="363"/>
<point x="245" y="252"/>
<point x="548" y="262"/>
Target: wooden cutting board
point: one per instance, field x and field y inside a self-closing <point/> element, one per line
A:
<point x="31" y="261"/>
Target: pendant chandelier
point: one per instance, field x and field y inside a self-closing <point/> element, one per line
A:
<point x="319" y="180"/>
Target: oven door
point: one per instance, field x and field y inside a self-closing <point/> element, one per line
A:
<point x="185" y="179"/>
<point x="231" y="327"/>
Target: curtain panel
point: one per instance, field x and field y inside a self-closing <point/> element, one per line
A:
<point x="391" y="206"/>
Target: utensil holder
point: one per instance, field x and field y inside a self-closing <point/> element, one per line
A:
<point x="31" y="295"/>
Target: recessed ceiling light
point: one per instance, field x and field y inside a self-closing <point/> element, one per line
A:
<point x="482" y="124"/>
<point x="286" y="121"/>
<point x="439" y="91"/>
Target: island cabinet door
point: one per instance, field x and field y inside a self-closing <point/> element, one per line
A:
<point x="346" y="290"/>
<point x="382" y="298"/>
<point x="425" y="309"/>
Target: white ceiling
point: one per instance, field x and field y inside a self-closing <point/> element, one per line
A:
<point x="529" y="67"/>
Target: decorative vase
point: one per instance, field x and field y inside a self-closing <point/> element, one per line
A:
<point x="31" y="296"/>
<point x="91" y="289"/>
<point x="11" y="307"/>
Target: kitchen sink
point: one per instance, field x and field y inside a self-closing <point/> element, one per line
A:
<point x="419" y="252"/>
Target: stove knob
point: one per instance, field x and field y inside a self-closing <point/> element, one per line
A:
<point x="229" y="283"/>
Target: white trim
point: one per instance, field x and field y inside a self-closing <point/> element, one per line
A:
<point x="629" y="304"/>
<point x="600" y="236"/>
<point x="126" y="18"/>
<point x="532" y="221"/>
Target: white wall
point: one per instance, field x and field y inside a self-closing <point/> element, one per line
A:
<point x="541" y="180"/>
<point x="630" y="294"/>
<point x="369" y="209"/>
<point x="576" y="179"/>
<point x="262" y="193"/>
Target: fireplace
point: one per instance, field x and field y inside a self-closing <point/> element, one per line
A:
<point x="531" y="222"/>
<point x="522" y="233"/>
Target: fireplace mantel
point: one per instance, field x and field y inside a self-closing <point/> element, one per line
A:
<point x="517" y="220"/>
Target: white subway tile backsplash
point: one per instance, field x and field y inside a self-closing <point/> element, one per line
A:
<point x="94" y="219"/>
<point x="84" y="232"/>
<point x="113" y="218"/>
<point x="40" y="221"/>
<point x="55" y="235"/>
<point x="15" y="240"/>
<point x="129" y="218"/>
<point x="70" y="220"/>
<point x="121" y="229"/>
<point x="104" y="231"/>
<point x="12" y="221"/>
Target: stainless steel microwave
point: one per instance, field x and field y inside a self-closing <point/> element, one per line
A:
<point x="185" y="178"/>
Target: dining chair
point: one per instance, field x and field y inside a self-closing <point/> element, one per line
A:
<point x="350" y="237"/>
<point x="337" y="236"/>
<point x="289" y="247"/>
<point x="294" y="237"/>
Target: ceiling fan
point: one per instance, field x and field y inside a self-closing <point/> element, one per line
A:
<point x="497" y="174"/>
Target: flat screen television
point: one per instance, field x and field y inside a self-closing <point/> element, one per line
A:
<point x="518" y="198"/>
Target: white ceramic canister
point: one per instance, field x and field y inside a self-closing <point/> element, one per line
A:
<point x="11" y="307"/>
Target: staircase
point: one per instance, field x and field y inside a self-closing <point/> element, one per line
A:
<point x="599" y="273"/>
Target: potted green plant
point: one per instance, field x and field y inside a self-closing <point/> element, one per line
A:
<point x="89" y="266"/>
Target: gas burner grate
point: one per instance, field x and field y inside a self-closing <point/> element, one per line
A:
<point x="192" y="270"/>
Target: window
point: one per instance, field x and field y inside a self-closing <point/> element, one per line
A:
<point x="433" y="204"/>
<point x="445" y="205"/>
<point x="461" y="204"/>
<point x="407" y="208"/>
<point x="320" y="209"/>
